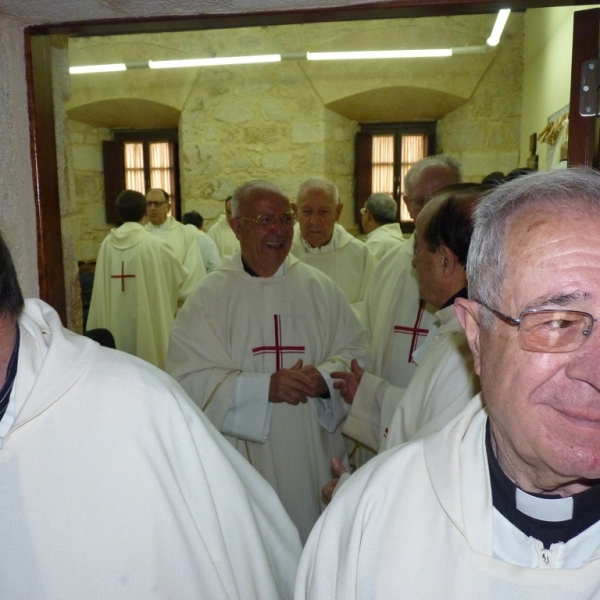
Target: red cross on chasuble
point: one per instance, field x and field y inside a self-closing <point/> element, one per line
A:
<point x="122" y="276"/>
<point x="416" y="331"/>
<point x="278" y="350"/>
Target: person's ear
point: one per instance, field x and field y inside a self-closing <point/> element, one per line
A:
<point x="236" y="225"/>
<point x="294" y="207"/>
<point x="338" y="210"/>
<point x="468" y="313"/>
<point x="448" y="261"/>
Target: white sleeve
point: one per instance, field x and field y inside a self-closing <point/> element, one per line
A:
<point x="249" y="416"/>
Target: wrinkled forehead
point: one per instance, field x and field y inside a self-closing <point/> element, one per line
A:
<point x="548" y="253"/>
<point x="263" y="201"/>
<point x="316" y="195"/>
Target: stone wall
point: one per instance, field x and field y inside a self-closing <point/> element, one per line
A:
<point x="17" y="208"/>
<point x="485" y="133"/>
<point x="270" y="121"/>
<point x="259" y="125"/>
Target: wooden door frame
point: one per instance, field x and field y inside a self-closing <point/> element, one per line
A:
<point x="41" y="110"/>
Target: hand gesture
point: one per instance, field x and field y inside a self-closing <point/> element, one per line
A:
<point x="290" y="385"/>
<point x="348" y="383"/>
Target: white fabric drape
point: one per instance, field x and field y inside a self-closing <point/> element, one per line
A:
<point x="134" y="167"/>
<point x="383" y="164"/>
<point x="161" y="166"/>
<point x="414" y="148"/>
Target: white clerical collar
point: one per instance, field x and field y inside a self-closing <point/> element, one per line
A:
<point x="544" y="509"/>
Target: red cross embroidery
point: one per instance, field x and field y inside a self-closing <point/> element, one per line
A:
<point x="278" y="349"/>
<point x="416" y="330"/>
<point x="122" y="276"/>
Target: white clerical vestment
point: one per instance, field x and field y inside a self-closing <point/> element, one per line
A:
<point x="208" y="249"/>
<point x="183" y="243"/>
<point x="418" y="522"/>
<point x="397" y="320"/>
<point x="384" y="238"/>
<point x="115" y="486"/>
<point x="223" y="236"/>
<point x="345" y="259"/>
<point x="232" y="334"/>
<point x="444" y="382"/>
<point x="137" y="283"/>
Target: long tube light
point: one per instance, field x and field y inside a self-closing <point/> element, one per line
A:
<point x="369" y="54"/>
<point x="212" y="62"/>
<point x="492" y="41"/>
<point x="98" y="68"/>
<point x="501" y="19"/>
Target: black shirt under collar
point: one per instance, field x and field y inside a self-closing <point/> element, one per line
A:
<point x="586" y="505"/>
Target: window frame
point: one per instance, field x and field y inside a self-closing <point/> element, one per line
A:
<point x="362" y="172"/>
<point x="114" y="165"/>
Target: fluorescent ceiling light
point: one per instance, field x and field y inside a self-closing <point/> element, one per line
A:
<point x="211" y="62"/>
<point x="501" y="19"/>
<point x="379" y="54"/>
<point x="98" y="68"/>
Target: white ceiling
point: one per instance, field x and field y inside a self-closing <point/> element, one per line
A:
<point x="38" y="12"/>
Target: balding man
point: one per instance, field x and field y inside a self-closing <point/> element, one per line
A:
<point x="320" y="241"/>
<point x="379" y="222"/>
<point x="254" y="346"/>
<point x="383" y="415"/>
<point x="181" y="239"/>
<point x="396" y="318"/>
<point x="503" y="502"/>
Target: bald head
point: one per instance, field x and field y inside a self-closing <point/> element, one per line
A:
<point x="428" y="176"/>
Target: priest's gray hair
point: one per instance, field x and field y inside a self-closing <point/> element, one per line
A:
<point x="383" y="208"/>
<point x="242" y="190"/>
<point x="437" y="160"/>
<point x="318" y="183"/>
<point x="564" y="192"/>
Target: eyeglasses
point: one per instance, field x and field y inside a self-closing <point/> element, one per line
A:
<point x="363" y="210"/>
<point x="156" y="203"/>
<point x="267" y="221"/>
<point x="549" y="330"/>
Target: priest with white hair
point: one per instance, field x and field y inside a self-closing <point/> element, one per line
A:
<point x="254" y="347"/>
<point x="320" y="241"/>
<point x="504" y="501"/>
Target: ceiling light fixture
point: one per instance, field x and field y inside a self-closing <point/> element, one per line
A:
<point x="491" y="42"/>
<point x="98" y="68"/>
<point x="370" y="54"/>
<point x="212" y="62"/>
<point x="501" y="19"/>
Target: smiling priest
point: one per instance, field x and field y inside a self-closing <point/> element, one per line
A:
<point x="504" y="501"/>
<point x="254" y="346"/>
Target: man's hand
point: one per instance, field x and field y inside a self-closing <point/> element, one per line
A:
<point x="348" y="383"/>
<point x="290" y="385"/>
<point x="337" y="469"/>
<point x="318" y="384"/>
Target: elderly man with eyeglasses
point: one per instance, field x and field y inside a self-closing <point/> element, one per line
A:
<point x="254" y="347"/>
<point x="504" y="502"/>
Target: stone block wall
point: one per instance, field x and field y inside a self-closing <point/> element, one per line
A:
<point x="485" y="132"/>
<point x="262" y="123"/>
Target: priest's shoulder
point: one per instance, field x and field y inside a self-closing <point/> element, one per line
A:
<point x="313" y="275"/>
